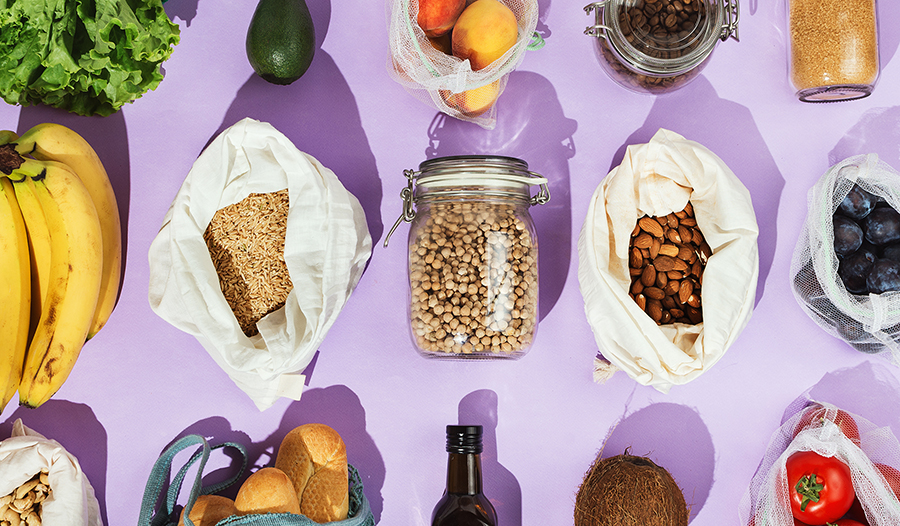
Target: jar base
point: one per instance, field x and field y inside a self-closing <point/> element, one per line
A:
<point x="837" y="93"/>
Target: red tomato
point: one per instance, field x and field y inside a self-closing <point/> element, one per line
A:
<point x="821" y="489"/>
<point x="847" y="522"/>
<point x="892" y="476"/>
<point x="814" y="416"/>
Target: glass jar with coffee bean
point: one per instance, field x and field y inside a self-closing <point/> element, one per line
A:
<point x="473" y="256"/>
<point x="657" y="46"/>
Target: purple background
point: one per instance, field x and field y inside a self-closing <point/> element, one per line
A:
<point x="141" y="383"/>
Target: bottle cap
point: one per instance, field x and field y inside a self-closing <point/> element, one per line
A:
<point x="464" y="439"/>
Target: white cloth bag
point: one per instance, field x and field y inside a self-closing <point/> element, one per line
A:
<point x="656" y="179"/>
<point x="326" y="248"/>
<point x="25" y="454"/>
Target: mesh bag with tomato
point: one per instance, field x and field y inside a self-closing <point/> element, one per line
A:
<point x="824" y="466"/>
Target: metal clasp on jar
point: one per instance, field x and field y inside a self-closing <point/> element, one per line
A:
<point x="731" y="8"/>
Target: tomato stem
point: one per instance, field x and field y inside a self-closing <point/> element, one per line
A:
<point x="809" y="489"/>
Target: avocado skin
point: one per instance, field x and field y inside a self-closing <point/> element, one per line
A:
<point x="281" y="40"/>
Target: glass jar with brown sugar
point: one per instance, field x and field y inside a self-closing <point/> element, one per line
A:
<point x="833" y="49"/>
<point x="657" y="46"/>
<point x="473" y="256"/>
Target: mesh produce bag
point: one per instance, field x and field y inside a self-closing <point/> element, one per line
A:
<point x="446" y="82"/>
<point x="766" y="501"/>
<point x="869" y="323"/>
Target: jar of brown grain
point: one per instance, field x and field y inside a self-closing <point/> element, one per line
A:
<point x="833" y="49"/>
<point x="473" y="256"/>
<point x="658" y="46"/>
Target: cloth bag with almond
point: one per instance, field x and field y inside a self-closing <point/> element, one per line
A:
<point x="42" y="483"/>
<point x="310" y="483"/>
<point x="668" y="262"/>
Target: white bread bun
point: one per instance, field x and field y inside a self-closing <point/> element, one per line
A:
<point x="268" y="490"/>
<point x="315" y="459"/>
<point x="208" y="510"/>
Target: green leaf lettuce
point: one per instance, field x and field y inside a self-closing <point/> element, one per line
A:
<point x="86" y="56"/>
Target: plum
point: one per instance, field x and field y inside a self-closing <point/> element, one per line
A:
<point x="848" y="236"/>
<point x="882" y="226"/>
<point x="884" y="276"/>
<point x="891" y="252"/>
<point x="854" y="269"/>
<point x="858" y="203"/>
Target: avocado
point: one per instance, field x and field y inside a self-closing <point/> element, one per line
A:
<point x="281" y="40"/>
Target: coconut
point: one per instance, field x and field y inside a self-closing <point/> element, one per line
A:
<point x="628" y="490"/>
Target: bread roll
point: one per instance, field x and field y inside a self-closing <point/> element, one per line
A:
<point x="268" y="490"/>
<point x="208" y="510"/>
<point x="315" y="458"/>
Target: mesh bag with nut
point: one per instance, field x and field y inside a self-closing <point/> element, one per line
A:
<point x="42" y="483"/>
<point x="871" y="453"/>
<point x="446" y="82"/>
<point x="668" y="262"/>
<point x="868" y="321"/>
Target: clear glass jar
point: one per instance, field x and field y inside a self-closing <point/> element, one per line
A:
<point x="658" y="46"/>
<point x="833" y="49"/>
<point x="473" y="256"/>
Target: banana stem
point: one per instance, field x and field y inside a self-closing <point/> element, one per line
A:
<point x="10" y="159"/>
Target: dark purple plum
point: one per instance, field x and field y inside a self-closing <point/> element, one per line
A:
<point x="884" y="276"/>
<point x="854" y="269"/>
<point x="848" y="236"/>
<point x="891" y="252"/>
<point x="858" y="203"/>
<point x="882" y="226"/>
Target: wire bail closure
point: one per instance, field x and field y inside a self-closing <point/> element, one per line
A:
<point x="407" y="193"/>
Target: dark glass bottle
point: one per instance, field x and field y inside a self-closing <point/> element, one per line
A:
<point x="463" y="503"/>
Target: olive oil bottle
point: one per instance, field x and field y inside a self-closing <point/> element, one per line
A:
<point x="463" y="502"/>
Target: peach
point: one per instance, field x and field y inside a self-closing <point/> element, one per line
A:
<point x="484" y="31"/>
<point x="437" y="17"/>
<point x="475" y="101"/>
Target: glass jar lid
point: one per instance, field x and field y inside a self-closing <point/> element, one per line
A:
<point x="470" y="176"/>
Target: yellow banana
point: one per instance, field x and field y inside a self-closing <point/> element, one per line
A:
<point x="55" y="142"/>
<point x="39" y="246"/>
<point x="76" y="265"/>
<point x="15" y="289"/>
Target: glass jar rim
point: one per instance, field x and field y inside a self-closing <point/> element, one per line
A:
<point x="710" y="32"/>
<point x="475" y="174"/>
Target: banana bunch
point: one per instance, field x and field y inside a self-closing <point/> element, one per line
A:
<point x="60" y="255"/>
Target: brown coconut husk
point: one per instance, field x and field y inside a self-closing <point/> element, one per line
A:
<point x="628" y="490"/>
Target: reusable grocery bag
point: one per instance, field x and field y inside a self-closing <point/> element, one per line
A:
<point x="360" y="512"/>
<point x="766" y="501"/>
<point x="326" y="248"/>
<point x="870" y="323"/>
<point x="656" y="179"/>
<point x="438" y="78"/>
<point x="26" y="453"/>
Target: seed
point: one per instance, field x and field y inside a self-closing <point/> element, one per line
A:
<point x="651" y="226"/>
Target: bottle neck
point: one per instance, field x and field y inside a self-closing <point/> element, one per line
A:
<point x="464" y="473"/>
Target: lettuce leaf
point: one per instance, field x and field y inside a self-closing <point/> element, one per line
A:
<point x="86" y="56"/>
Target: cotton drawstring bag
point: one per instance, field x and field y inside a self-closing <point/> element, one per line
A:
<point x="439" y="79"/>
<point x="326" y="248"/>
<point x="27" y="453"/>
<point x="656" y="179"/>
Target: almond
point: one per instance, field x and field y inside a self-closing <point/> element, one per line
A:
<point x="651" y="226"/>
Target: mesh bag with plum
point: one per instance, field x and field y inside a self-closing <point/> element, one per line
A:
<point x="825" y="465"/>
<point x="845" y="270"/>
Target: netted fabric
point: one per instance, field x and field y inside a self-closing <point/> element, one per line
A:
<point x="870" y="323"/>
<point x="766" y="501"/>
<point x="433" y="76"/>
